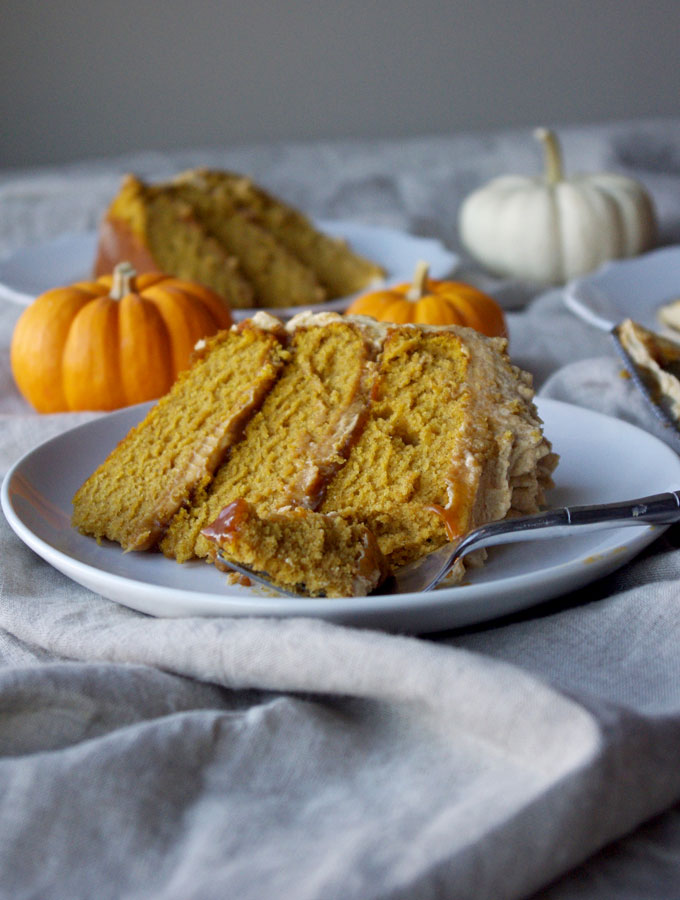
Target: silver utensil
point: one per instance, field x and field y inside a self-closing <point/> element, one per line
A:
<point x="427" y="572"/>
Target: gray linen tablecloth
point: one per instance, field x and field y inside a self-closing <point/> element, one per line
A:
<point x="252" y="758"/>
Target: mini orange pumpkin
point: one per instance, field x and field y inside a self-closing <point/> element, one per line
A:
<point x="104" y="344"/>
<point x="431" y="302"/>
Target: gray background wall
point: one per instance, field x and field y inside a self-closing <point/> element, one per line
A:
<point x="82" y="78"/>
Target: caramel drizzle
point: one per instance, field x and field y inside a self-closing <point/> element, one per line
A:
<point x="228" y="523"/>
<point x="452" y="519"/>
<point x="329" y="455"/>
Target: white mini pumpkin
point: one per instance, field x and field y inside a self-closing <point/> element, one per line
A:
<point x="548" y="229"/>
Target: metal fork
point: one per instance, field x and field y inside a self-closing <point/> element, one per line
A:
<point x="427" y="572"/>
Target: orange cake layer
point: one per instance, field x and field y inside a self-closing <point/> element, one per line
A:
<point x="302" y="551"/>
<point x="175" y="450"/>
<point x="220" y="229"/>
<point x="412" y="434"/>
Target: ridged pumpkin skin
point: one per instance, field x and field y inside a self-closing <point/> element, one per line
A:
<point x="104" y="344"/>
<point x="432" y="302"/>
<point x="550" y="228"/>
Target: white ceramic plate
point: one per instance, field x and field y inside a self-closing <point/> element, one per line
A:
<point x="33" y="270"/>
<point x="603" y="460"/>
<point x="628" y="288"/>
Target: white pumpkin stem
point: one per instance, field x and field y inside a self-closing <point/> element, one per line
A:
<point x="419" y="285"/>
<point x="123" y="275"/>
<point x="554" y="171"/>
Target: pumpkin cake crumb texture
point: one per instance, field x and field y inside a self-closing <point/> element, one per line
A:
<point x="222" y="230"/>
<point x="394" y="439"/>
<point x="295" y="442"/>
<point x="300" y="550"/>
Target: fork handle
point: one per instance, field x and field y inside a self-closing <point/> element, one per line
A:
<point x="427" y="572"/>
<point x="658" y="509"/>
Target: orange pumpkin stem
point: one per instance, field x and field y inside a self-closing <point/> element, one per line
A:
<point x="419" y="287"/>
<point x="123" y="275"/>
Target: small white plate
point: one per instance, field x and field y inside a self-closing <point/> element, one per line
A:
<point x="627" y="289"/>
<point x="602" y="460"/>
<point x="64" y="260"/>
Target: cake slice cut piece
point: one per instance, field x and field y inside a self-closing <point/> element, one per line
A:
<point x="340" y="269"/>
<point x="220" y="229"/>
<point x="416" y="433"/>
<point x="299" y="438"/>
<point x="328" y="429"/>
<point x="300" y="550"/>
<point x="160" y="465"/>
